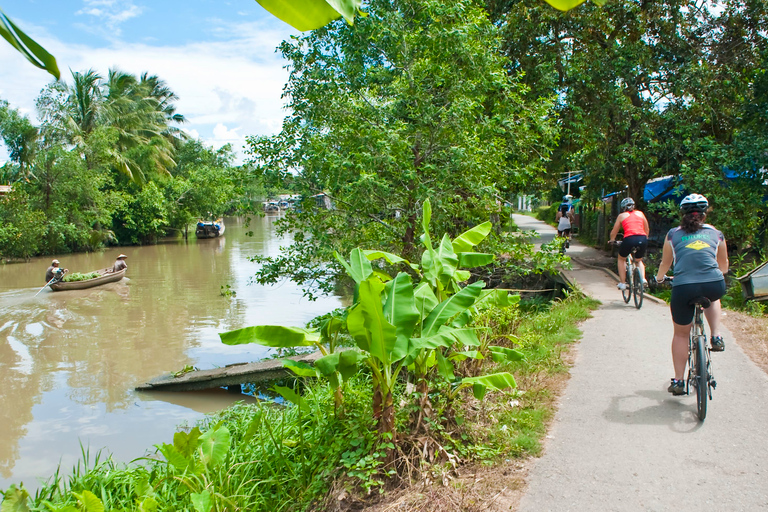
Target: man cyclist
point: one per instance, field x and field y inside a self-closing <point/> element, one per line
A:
<point x="700" y="259"/>
<point x="636" y="232"/>
<point x="565" y="218"/>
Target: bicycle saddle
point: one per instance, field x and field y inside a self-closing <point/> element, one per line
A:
<point x="705" y="302"/>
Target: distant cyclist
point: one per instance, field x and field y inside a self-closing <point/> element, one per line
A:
<point x="700" y="259"/>
<point x="636" y="232"/>
<point x="565" y="218"/>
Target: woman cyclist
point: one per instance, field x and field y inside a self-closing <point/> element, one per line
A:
<point x="636" y="231"/>
<point x="700" y="259"/>
<point x="565" y="218"/>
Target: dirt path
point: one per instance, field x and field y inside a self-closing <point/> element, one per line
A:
<point x="621" y="442"/>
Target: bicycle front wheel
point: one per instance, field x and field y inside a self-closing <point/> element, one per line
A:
<point x="702" y="377"/>
<point x="638" y="288"/>
<point x="626" y="293"/>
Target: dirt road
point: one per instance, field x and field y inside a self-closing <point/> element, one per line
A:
<point x="620" y="441"/>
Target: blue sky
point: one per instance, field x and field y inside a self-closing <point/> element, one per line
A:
<point x="219" y="57"/>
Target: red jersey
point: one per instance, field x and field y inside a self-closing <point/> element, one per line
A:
<point x="633" y="224"/>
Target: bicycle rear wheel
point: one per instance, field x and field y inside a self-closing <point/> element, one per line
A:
<point x="637" y="288"/>
<point x="702" y="377"/>
<point x="626" y="293"/>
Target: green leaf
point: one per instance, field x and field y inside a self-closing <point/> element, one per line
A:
<point x="444" y="366"/>
<point x="448" y="260"/>
<point x="382" y="334"/>
<point x="187" y="443"/>
<point x="253" y="426"/>
<point x="451" y="307"/>
<point x="425" y="299"/>
<point x="291" y="396"/>
<point x="27" y="46"/>
<point x="474" y="259"/>
<point x="174" y="457"/>
<point x="466" y="241"/>
<point x="461" y="275"/>
<point x="469" y="354"/>
<point x="494" y="382"/>
<point x="214" y="445"/>
<point x="148" y="504"/>
<point x="300" y="368"/>
<point x="331" y="327"/>
<point x="390" y="258"/>
<point x="426" y="218"/>
<point x="345" y="362"/>
<point x="277" y="336"/>
<point x="88" y="501"/>
<point x="400" y="306"/>
<point x="15" y="500"/>
<point x="310" y="14"/>
<point x="201" y="501"/>
<point x="503" y="354"/>
<point x="359" y="266"/>
<point x="565" y="5"/>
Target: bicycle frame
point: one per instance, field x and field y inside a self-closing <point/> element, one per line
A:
<point x="699" y="375"/>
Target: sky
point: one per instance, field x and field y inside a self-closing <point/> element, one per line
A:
<point x="218" y="57"/>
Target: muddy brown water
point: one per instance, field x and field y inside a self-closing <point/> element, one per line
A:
<point x="69" y="360"/>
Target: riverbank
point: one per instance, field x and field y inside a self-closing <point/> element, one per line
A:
<point x="305" y="457"/>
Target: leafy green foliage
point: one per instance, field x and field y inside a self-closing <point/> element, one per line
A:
<point x="77" y="276"/>
<point x="427" y="111"/>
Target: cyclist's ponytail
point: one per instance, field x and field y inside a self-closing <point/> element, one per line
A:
<point x="692" y="222"/>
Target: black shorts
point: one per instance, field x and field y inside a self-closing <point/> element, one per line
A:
<point x="565" y="232"/>
<point x="682" y="312"/>
<point x="629" y="242"/>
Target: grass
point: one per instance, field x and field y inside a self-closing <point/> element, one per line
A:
<point x="268" y="457"/>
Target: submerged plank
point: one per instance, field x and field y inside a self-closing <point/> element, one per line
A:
<point x="230" y="375"/>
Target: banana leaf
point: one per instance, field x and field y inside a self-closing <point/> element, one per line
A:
<point x="27" y="46"/>
<point x="466" y="241"/>
<point x="276" y="336"/>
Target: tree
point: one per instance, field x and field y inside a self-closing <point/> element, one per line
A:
<point x="413" y="102"/>
<point x="20" y="137"/>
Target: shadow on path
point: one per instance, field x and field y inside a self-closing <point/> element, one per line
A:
<point x="678" y="413"/>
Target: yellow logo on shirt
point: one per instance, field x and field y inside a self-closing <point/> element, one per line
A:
<point x="697" y="245"/>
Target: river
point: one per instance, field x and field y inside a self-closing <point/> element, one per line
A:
<point x="69" y="360"/>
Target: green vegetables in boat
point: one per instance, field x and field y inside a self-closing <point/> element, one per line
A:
<point x="77" y="276"/>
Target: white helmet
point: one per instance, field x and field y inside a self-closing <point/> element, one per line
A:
<point x="694" y="203"/>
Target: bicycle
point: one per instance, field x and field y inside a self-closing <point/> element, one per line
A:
<point x="700" y="375"/>
<point x="699" y="361"/>
<point x="632" y="278"/>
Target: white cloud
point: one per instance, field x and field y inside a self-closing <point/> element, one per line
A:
<point x="109" y="15"/>
<point x="228" y="88"/>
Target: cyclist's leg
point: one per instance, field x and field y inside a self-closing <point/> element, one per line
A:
<point x="682" y="318"/>
<point x="640" y="243"/>
<point x="622" y="268"/>
<point x="680" y="349"/>
<point x="713" y="317"/>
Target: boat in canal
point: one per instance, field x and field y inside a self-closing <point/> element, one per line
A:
<point x="209" y="229"/>
<point x="105" y="276"/>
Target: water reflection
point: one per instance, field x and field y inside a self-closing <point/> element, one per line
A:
<point x="69" y="360"/>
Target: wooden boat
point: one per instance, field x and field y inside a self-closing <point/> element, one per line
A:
<point x="210" y="229"/>
<point x="104" y="278"/>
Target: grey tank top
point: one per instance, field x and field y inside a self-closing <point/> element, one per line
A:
<point x="695" y="255"/>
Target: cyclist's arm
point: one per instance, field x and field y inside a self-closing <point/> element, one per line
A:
<point x="645" y="225"/>
<point x="666" y="260"/>
<point x="722" y="257"/>
<point x="616" y="227"/>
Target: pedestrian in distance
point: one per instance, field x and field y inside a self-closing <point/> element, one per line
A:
<point x="565" y="219"/>
<point x="636" y="230"/>
<point x="700" y="258"/>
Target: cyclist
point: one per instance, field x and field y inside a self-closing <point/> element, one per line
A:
<point x="636" y="231"/>
<point x="564" y="219"/>
<point x="700" y="258"/>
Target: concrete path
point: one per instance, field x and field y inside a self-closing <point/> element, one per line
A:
<point x="621" y="442"/>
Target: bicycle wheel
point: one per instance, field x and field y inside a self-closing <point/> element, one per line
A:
<point x="637" y="288"/>
<point x="627" y="291"/>
<point x="702" y="377"/>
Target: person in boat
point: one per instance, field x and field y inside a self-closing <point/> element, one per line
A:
<point x="54" y="271"/>
<point x="120" y="264"/>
